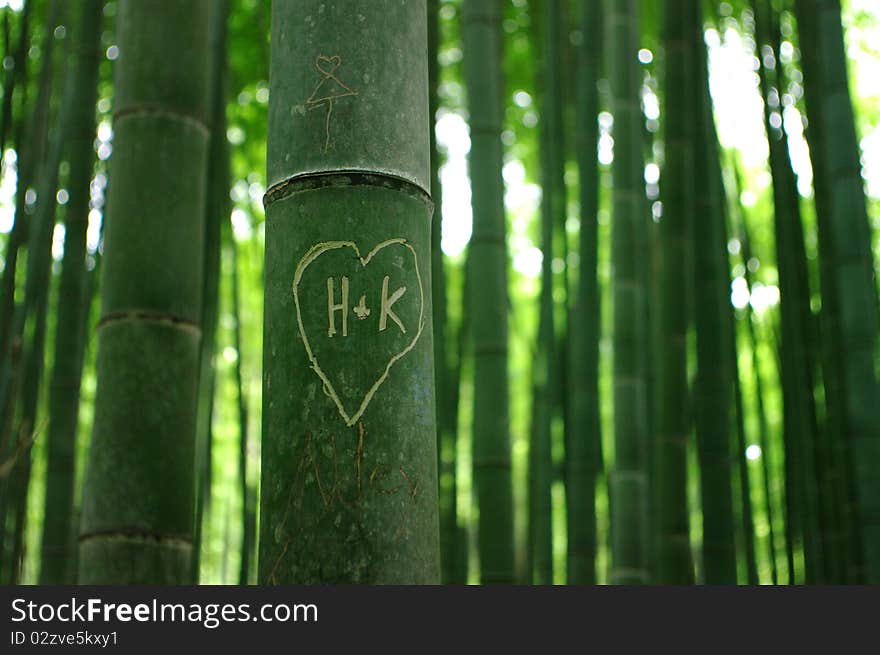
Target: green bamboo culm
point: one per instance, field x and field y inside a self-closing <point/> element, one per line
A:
<point x="796" y="355"/>
<point x="17" y="73"/>
<point x="216" y="214"/>
<point x="546" y="366"/>
<point x="246" y="491"/>
<point x="764" y="443"/>
<point x="713" y="387"/>
<point x="672" y="404"/>
<point x="830" y="323"/>
<point x="57" y="549"/>
<point x="17" y="77"/>
<point x="553" y="23"/>
<point x="458" y="572"/>
<point x="851" y="267"/>
<point x="30" y="157"/>
<point x="438" y="272"/>
<point x="31" y="316"/>
<point x="137" y="516"/>
<point x="349" y="466"/>
<point x="744" y="486"/>
<point x="747" y="520"/>
<point x="833" y="382"/>
<point x="739" y="226"/>
<point x="583" y="448"/>
<point x="487" y="261"/>
<point x="628" y="484"/>
<point x="445" y="380"/>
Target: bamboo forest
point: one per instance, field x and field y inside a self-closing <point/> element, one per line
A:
<point x="535" y="292"/>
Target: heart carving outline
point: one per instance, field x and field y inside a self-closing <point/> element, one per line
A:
<point x="313" y="253"/>
<point x="333" y="61"/>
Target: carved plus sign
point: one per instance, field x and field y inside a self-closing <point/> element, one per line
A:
<point x="362" y="311"/>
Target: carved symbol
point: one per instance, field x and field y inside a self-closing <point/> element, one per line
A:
<point x="316" y="251"/>
<point x="328" y="89"/>
<point x="362" y="311"/>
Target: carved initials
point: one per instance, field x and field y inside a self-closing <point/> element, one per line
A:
<point x="385" y="311"/>
<point x="361" y="310"/>
<point x="332" y="308"/>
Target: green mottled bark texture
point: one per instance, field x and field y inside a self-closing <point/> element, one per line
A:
<point x="583" y="449"/>
<point x="349" y="474"/>
<point x="487" y="260"/>
<point x="137" y="516"/>
<point x="628" y="485"/>
<point x="674" y="564"/>
<point x="56" y="553"/>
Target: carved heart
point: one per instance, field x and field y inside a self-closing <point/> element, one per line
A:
<point x="333" y="61"/>
<point x="314" y="253"/>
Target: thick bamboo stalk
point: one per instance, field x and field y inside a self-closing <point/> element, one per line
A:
<point x="546" y="367"/>
<point x="847" y="242"/>
<point x="672" y="402"/>
<point x="830" y="335"/>
<point x="70" y="339"/>
<point x="137" y="516"/>
<point x="628" y="485"/>
<point x="487" y="262"/>
<point x="583" y="449"/>
<point x="349" y="475"/>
